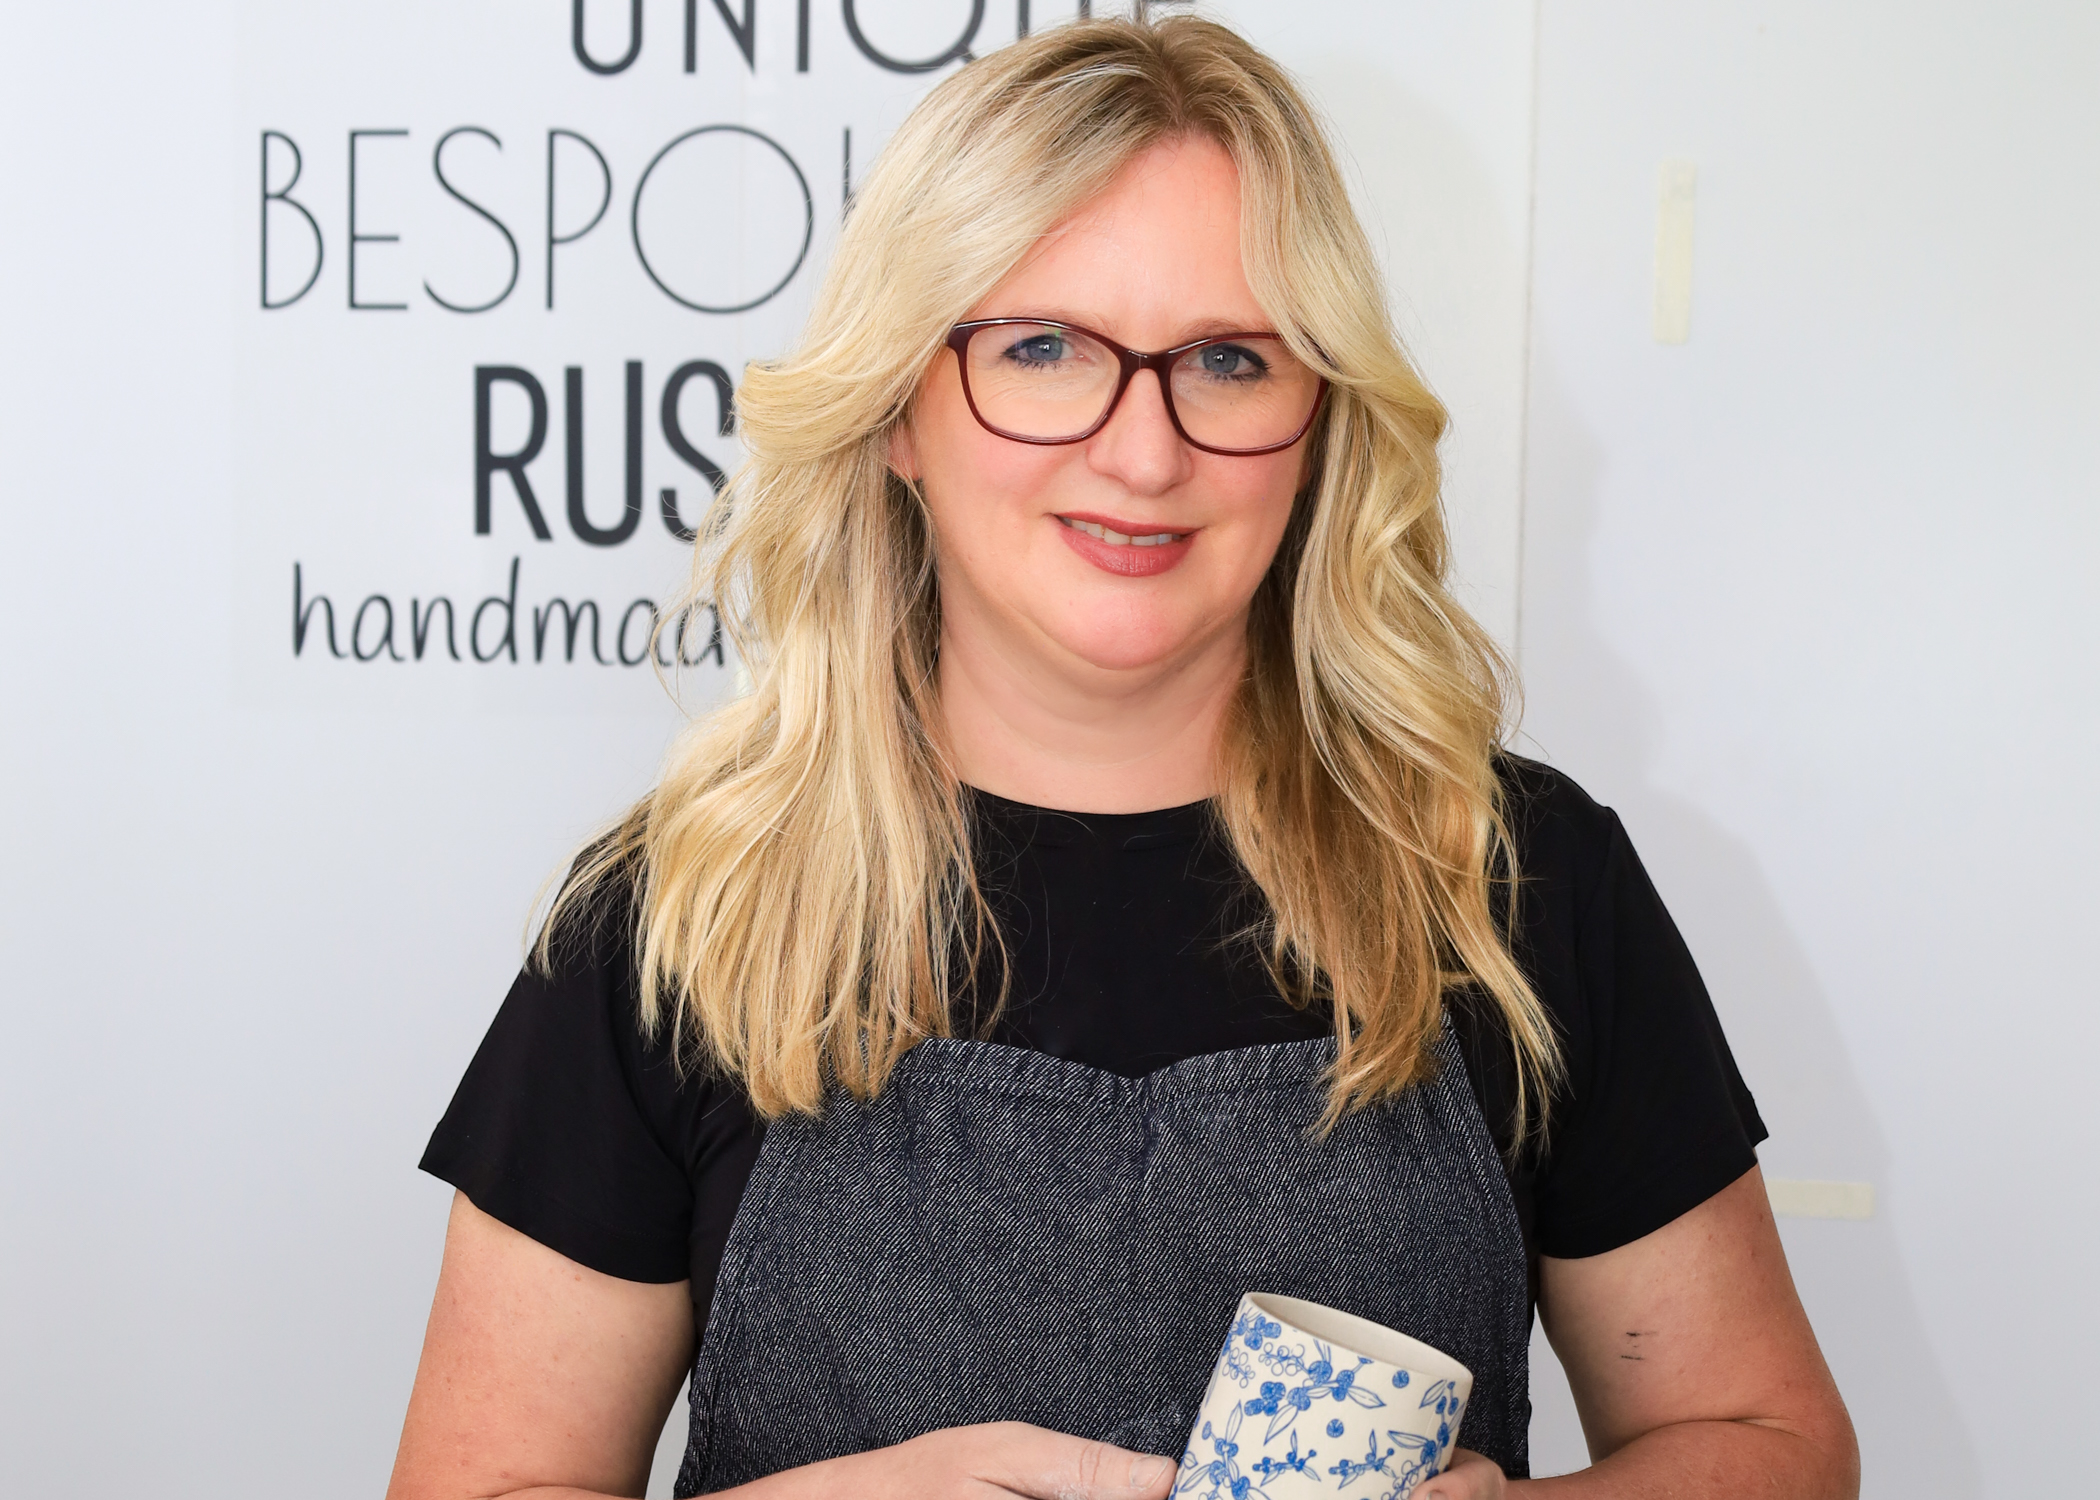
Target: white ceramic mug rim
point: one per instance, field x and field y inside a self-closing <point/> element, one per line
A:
<point x="1360" y="1336"/>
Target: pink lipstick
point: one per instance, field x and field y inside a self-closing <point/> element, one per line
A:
<point x="1130" y="549"/>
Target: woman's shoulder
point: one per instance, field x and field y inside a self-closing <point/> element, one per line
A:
<point x="573" y="1123"/>
<point x="1652" y="1116"/>
<point x="588" y="933"/>
<point x="1562" y="838"/>
<point x="1581" y="896"/>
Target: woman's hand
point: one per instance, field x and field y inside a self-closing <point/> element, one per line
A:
<point x="992" y="1461"/>
<point x="1470" y="1477"/>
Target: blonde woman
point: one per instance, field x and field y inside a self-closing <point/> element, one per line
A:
<point x="1109" y="897"/>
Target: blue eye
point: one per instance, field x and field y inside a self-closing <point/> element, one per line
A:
<point x="1042" y="349"/>
<point x="1231" y="362"/>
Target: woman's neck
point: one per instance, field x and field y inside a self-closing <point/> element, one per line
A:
<point x="1036" y="726"/>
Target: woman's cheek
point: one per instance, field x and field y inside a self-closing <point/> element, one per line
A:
<point x="1262" y="515"/>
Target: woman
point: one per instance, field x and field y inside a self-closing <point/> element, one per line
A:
<point x="1109" y="898"/>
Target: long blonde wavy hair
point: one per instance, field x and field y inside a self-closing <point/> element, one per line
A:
<point x="805" y="897"/>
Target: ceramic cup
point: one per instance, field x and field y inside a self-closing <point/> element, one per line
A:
<point x="1309" y="1401"/>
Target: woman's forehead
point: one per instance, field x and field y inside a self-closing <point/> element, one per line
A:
<point x="1153" y="259"/>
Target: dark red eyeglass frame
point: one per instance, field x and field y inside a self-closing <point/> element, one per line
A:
<point x="1132" y="361"/>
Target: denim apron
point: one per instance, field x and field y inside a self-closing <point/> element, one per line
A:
<point x="1006" y="1235"/>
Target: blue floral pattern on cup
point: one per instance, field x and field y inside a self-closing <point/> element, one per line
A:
<point x="1274" y="1379"/>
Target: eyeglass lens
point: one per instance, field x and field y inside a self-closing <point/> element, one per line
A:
<point x="1049" y="382"/>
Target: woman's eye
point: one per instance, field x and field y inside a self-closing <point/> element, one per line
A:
<point x="1232" y="362"/>
<point x="1043" y="349"/>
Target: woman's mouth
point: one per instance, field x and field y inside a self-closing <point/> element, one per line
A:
<point x="1130" y="549"/>
<point x="1102" y="533"/>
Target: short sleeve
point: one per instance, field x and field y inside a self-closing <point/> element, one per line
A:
<point x="1655" y="1118"/>
<point x="566" y="1124"/>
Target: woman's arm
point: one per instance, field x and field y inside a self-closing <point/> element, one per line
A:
<point x="542" y="1379"/>
<point x="1693" y="1367"/>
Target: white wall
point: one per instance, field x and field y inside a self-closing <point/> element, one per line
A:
<point x="1807" y="598"/>
<point x="1810" y="599"/>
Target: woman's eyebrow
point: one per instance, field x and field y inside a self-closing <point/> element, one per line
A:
<point x="1069" y="319"/>
<point x="1210" y="328"/>
<point x="1191" y="332"/>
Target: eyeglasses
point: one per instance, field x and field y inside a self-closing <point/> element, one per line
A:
<point x="1043" y="382"/>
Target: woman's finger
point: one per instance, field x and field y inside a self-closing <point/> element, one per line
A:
<point x="1046" y="1465"/>
<point x="1470" y="1477"/>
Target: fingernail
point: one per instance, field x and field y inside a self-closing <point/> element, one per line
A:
<point x="1146" y="1472"/>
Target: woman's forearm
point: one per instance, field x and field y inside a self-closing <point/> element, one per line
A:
<point x="1718" y="1459"/>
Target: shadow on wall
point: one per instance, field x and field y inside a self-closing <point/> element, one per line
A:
<point x="1589" y="714"/>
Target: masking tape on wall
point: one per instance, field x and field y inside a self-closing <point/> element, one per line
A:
<point x="1676" y="194"/>
<point x="1793" y="1198"/>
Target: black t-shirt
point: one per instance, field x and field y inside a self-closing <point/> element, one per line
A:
<point x="1126" y="935"/>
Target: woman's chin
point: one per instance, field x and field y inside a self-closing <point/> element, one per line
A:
<point x="1133" y="650"/>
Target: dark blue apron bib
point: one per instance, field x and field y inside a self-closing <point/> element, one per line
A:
<point x="1007" y="1235"/>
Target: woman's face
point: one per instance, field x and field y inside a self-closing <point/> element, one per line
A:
<point x="1152" y="263"/>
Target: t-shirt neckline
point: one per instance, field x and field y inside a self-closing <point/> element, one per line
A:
<point x="1025" y="823"/>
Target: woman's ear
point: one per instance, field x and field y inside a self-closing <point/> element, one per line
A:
<point x="904" y="454"/>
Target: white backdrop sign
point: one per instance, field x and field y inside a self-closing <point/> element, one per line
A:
<point x="504" y="278"/>
<point x="504" y="282"/>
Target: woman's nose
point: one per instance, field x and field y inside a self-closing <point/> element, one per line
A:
<point x="1139" y="447"/>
